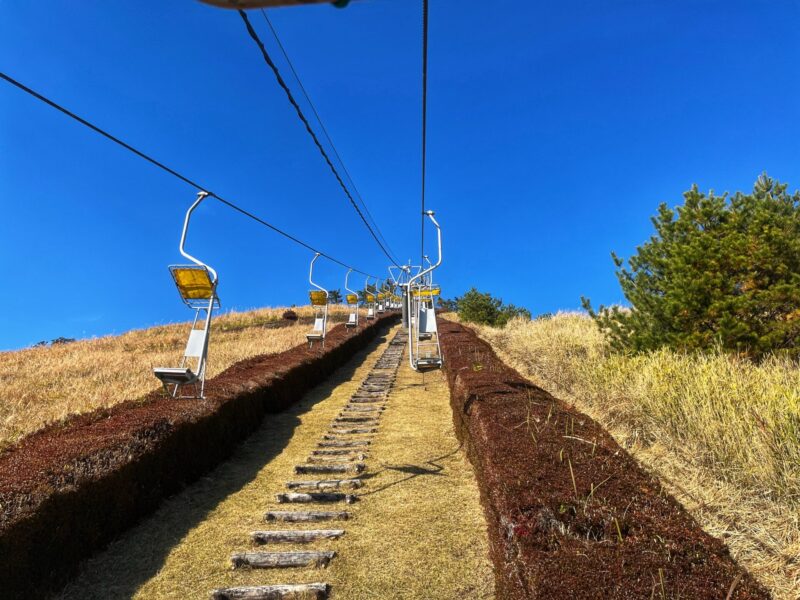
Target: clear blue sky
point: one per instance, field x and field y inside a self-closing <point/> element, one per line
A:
<point x="555" y="129"/>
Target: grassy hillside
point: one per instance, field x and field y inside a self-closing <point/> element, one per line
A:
<point x="46" y="384"/>
<point x="722" y="433"/>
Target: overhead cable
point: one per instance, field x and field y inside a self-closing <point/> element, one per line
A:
<point x="302" y="117"/>
<point x="424" y="120"/>
<point x="325" y="132"/>
<point x="172" y="172"/>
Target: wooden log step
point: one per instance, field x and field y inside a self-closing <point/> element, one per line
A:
<point x="304" y="591"/>
<point x="282" y="560"/>
<point x="345" y="468"/>
<point x="330" y="459"/>
<point x="325" y="484"/>
<point x="362" y="400"/>
<point x="310" y="497"/>
<point x="293" y="536"/>
<point x="339" y="452"/>
<point x="331" y="436"/>
<point x="332" y="442"/>
<point x="357" y="419"/>
<point x="353" y="430"/>
<point x="363" y="409"/>
<point x="309" y="516"/>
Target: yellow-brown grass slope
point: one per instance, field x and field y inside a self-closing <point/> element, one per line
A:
<point x="42" y="385"/>
<point x="722" y="433"/>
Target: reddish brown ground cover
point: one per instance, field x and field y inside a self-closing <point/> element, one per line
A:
<point x="67" y="490"/>
<point x="570" y="513"/>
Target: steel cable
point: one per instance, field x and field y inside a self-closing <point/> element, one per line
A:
<point x="302" y="117"/>
<point x="173" y="172"/>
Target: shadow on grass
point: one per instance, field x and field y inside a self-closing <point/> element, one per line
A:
<point x="128" y="563"/>
<point x="429" y="467"/>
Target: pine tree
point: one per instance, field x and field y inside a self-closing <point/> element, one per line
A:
<point x="718" y="271"/>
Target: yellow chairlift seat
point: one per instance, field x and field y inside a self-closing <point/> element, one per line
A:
<point x="351" y="298"/>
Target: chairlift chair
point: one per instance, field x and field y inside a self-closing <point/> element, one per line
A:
<point x="381" y="306"/>
<point x="319" y="302"/>
<point x="424" y="349"/>
<point x="352" y="301"/>
<point x="369" y="299"/>
<point x="425" y="303"/>
<point x="197" y="286"/>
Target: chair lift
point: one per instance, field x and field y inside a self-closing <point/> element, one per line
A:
<point x="197" y="285"/>
<point x="319" y="302"/>
<point x="422" y="299"/>
<point x="424" y="350"/>
<point x="369" y="299"/>
<point x="380" y="297"/>
<point x="352" y="301"/>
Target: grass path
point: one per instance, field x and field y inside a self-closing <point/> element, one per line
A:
<point x="418" y="531"/>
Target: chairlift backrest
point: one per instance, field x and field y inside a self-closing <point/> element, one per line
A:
<point x="195" y="346"/>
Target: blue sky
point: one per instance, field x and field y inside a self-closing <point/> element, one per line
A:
<point x="555" y="129"/>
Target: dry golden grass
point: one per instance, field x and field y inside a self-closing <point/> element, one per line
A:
<point x="42" y="385"/>
<point x="723" y="434"/>
<point x="418" y="531"/>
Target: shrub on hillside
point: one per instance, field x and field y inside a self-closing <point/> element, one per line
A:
<point x="484" y="309"/>
<point x="718" y="272"/>
<point x="289" y="315"/>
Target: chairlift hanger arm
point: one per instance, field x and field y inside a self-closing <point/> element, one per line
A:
<point x="200" y="197"/>
<point x="429" y="278"/>
<point x="346" y="278"/>
<point x="430" y="269"/>
<point x="311" y="274"/>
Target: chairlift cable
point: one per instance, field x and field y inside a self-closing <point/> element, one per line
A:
<point x="254" y="35"/>
<point x="424" y="119"/>
<point x="325" y="132"/>
<point x="171" y="171"/>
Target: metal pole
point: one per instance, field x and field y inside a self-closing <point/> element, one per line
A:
<point x="405" y="305"/>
